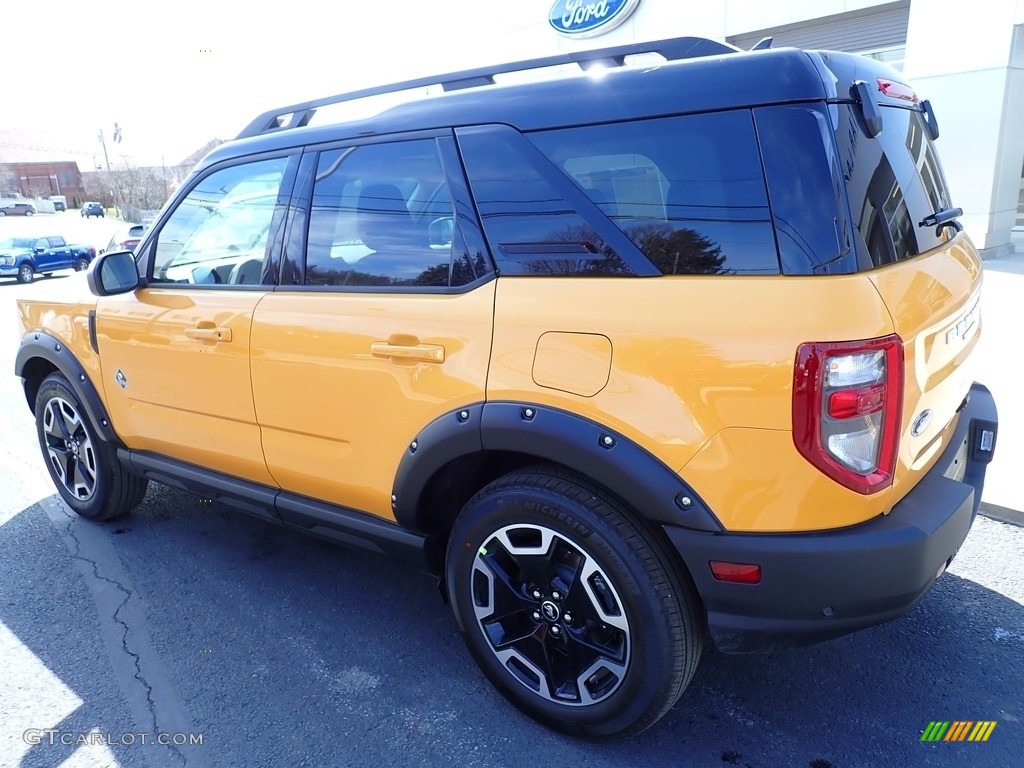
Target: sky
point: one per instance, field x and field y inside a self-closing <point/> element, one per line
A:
<point x="175" y="75"/>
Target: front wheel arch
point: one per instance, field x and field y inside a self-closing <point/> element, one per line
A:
<point x="41" y="354"/>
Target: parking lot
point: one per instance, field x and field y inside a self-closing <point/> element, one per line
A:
<point x="191" y="620"/>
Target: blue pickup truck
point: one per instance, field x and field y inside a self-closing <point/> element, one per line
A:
<point x="26" y="257"/>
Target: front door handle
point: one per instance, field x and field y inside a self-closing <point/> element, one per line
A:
<point x="427" y="353"/>
<point x="208" y="333"/>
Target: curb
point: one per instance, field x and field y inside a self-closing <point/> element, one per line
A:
<point x="1002" y="514"/>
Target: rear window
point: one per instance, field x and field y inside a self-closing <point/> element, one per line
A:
<point x="893" y="182"/>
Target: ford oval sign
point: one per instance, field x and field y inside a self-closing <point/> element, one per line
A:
<point x="587" y="18"/>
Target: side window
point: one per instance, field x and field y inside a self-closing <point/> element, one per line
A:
<point x="382" y="215"/>
<point x="688" y="191"/>
<point x="533" y="228"/>
<point x="220" y="232"/>
<point x="806" y="190"/>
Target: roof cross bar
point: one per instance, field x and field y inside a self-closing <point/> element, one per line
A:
<point x="673" y="49"/>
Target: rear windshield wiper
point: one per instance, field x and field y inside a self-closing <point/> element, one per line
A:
<point x="946" y="217"/>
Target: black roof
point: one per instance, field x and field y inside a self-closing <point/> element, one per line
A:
<point x="717" y="82"/>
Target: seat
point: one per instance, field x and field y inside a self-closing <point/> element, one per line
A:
<point x="247" y="272"/>
<point x="400" y="249"/>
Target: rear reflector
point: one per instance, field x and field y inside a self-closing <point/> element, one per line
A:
<point x="737" y="573"/>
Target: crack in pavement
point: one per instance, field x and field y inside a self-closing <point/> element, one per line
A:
<point x="147" y="688"/>
<point x="136" y="658"/>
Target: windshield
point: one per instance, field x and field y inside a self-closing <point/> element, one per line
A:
<point x="16" y="242"/>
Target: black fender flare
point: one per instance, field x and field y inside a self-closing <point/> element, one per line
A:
<point x="617" y="463"/>
<point x="39" y="344"/>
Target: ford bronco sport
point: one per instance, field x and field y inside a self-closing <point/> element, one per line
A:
<point x="631" y="359"/>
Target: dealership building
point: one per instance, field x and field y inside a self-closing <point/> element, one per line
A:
<point x="967" y="58"/>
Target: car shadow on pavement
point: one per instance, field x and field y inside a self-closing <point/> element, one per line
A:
<point x="284" y="650"/>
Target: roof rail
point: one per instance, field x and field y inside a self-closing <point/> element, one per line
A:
<point x="673" y="49"/>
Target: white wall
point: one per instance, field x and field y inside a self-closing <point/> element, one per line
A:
<point x="975" y="78"/>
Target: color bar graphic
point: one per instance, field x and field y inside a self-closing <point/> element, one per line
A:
<point x="958" y="730"/>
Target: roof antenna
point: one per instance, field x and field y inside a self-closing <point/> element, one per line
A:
<point x="763" y="43"/>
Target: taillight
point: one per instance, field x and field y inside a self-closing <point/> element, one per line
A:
<point x="847" y="404"/>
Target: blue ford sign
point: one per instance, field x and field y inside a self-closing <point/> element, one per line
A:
<point x="587" y="18"/>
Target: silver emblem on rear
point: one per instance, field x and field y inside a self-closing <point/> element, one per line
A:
<point x="920" y="423"/>
<point x="959" y="331"/>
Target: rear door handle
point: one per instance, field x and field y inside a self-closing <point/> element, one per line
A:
<point x="427" y="353"/>
<point x="208" y="333"/>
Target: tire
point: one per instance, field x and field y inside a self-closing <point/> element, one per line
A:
<point x="81" y="265"/>
<point x="604" y="581"/>
<point x="26" y="273"/>
<point x="29" y="213"/>
<point x="3" y="213"/>
<point x="84" y="468"/>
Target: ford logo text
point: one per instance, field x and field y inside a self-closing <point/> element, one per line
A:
<point x="587" y="18"/>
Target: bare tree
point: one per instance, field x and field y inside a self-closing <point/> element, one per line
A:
<point x="136" y="187"/>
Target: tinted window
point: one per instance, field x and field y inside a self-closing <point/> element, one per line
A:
<point x="219" y="234"/>
<point x="893" y="182"/>
<point x="532" y="227"/>
<point x="805" y="187"/>
<point x="382" y="215"/>
<point x="688" y="191"/>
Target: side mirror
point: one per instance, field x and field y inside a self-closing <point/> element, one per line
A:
<point x="40" y="249"/>
<point x="112" y="273"/>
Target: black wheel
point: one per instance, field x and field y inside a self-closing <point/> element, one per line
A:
<point x="84" y="468"/>
<point x="26" y="273"/>
<point x="81" y="265"/>
<point x="573" y="609"/>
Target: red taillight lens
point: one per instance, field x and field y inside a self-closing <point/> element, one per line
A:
<point x="737" y="573"/>
<point x="847" y="403"/>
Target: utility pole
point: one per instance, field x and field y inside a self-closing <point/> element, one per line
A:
<point x="106" y="159"/>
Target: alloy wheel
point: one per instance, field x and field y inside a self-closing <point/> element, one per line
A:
<point x="69" y="448"/>
<point x="550" y="614"/>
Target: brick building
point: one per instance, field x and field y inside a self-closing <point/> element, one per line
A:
<point x="43" y="179"/>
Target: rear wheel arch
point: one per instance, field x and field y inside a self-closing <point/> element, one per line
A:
<point x="458" y="454"/>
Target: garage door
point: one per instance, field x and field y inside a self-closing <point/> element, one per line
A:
<point x="880" y="27"/>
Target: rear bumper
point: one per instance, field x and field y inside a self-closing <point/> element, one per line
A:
<point x="816" y="586"/>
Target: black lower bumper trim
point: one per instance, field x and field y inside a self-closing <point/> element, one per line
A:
<point x="816" y="586"/>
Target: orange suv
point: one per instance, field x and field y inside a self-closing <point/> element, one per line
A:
<point x="631" y="361"/>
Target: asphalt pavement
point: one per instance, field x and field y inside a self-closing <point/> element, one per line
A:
<point x="194" y="622"/>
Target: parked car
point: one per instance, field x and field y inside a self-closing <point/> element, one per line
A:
<point x="680" y="352"/>
<point x="16" y="208"/>
<point x="92" y="209"/>
<point x="125" y="239"/>
<point x="25" y="257"/>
